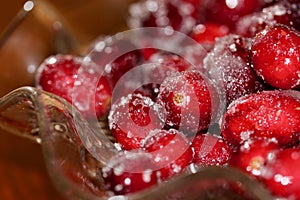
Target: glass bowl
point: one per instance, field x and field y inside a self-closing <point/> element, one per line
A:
<point x="69" y="142"/>
<point x="75" y="149"/>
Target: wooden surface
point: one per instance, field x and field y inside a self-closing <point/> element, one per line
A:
<point x="23" y="175"/>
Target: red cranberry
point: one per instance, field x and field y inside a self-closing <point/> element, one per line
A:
<point x="170" y="151"/>
<point x="276" y="55"/>
<point x="206" y="33"/>
<point x="210" y="150"/>
<point x="81" y="83"/>
<point x="228" y="12"/>
<point x="253" y="155"/>
<point x="131" y="119"/>
<point x="129" y="172"/>
<point x="269" y="114"/>
<point x="162" y="66"/>
<point x="228" y="64"/>
<point x="282" y="176"/>
<point x="115" y="56"/>
<point x="283" y="12"/>
<point x="187" y="98"/>
<point x="181" y="15"/>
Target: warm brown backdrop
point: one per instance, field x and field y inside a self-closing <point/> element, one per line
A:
<point x="23" y="175"/>
<point x="22" y="171"/>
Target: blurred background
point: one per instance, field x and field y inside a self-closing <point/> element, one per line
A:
<point x="30" y="31"/>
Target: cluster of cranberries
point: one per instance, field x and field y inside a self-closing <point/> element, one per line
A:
<point x="251" y="65"/>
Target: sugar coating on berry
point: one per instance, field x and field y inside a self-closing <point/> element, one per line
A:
<point x="114" y="56"/>
<point x="78" y="81"/>
<point x="268" y="114"/>
<point x="170" y="151"/>
<point x="56" y="73"/>
<point x="195" y="53"/>
<point x="168" y="63"/>
<point x="279" y="66"/>
<point x="186" y="99"/>
<point x="132" y="118"/>
<point x="281" y="175"/>
<point x="281" y="12"/>
<point x="253" y="155"/>
<point x="179" y="15"/>
<point x="210" y="150"/>
<point x="160" y="66"/>
<point x="228" y="64"/>
<point x="129" y="172"/>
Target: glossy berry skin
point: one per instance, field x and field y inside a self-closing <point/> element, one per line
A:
<point x="229" y="65"/>
<point x="131" y="119"/>
<point x="167" y="64"/>
<point x="163" y="65"/>
<point x="186" y="99"/>
<point x="279" y="66"/>
<point x="282" y="12"/>
<point x="148" y="52"/>
<point x="115" y="57"/>
<point x="228" y="12"/>
<point x="129" y="172"/>
<point x="80" y="83"/>
<point x="180" y="15"/>
<point x="282" y="174"/>
<point x="206" y="33"/>
<point x="265" y="115"/>
<point x="253" y="155"/>
<point x="210" y="150"/>
<point x="170" y="151"/>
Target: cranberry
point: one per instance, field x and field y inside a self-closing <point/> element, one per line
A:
<point x="229" y="64"/>
<point x="206" y="33"/>
<point x="168" y="64"/>
<point x="162" y="66"/>
<point x="80" y="83"/>
<point x="268" y="114"/>
<point x="210" y="150"/>
<point x="180" y="15"/>
<point x="131" y="119"/>
<point x="147" y="53"/>
<point x="115" y="56"/>
<point x="276" y="55"/>
<point x="228" y="12"/>
<point x="283" y="12"/>
<point x="282" y="176"/>
<point x="253" y="155"/>
<point x="129" y="172"/>
<point x="170" y="151"/>
<point x="187" y="98"/>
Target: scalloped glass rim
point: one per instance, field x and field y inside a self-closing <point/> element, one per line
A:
<point x="27" y="112"/>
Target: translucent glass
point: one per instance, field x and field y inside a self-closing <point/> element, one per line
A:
<point x="74" y="149"/>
